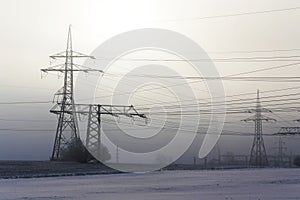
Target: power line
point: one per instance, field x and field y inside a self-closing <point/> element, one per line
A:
<point x="229" y="133"/>
<point x="245" y="102"/>
<point x="273" y="96"/>
<point x="26" y="120"/>
<point x="25" y="102"/>
<point x="26" y="87"/>
<point x="236" y="95"/>
<point x="26" y="130"/>
<point x="253" y="51"/>
<point x="228" y="77"/>
<point x="230" y="59"/>
<point x="231" y="75"/>
<point x="225" y="78"/>
<point x="235" y="14"/>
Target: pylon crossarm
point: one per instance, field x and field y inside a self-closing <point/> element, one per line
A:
<point x="138" y="114"/>
<point x="268" y="119"/>
<point x="73" y="54"/>
<point x="82" y="55"/>
<point x="53" y="68"/>
<point x="55" y="109"/>
<point x="78" y="68"/>
<point x="249" y="119"/>
<point x="122" y="110"/>
<point x="259" y="110"/>
<point x="57" y="54"/>
<point x="114" y="110"/>
<point x="261" y="118"/>
<point x="266" y="110"/>
<point x="109" y="111"/>
<point x="73" y="70"/>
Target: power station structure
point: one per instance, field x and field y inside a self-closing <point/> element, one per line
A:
<point x="67" y="110"/>
<point x="258" y="155"/>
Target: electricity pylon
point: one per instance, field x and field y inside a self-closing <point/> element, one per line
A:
<point x="258" y="155"/>
<point x="94" y="112"/>
<point x="281" y="151"/>
<point x="65" y="108"/>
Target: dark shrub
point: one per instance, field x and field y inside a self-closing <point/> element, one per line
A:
<point x="297" y="161"/>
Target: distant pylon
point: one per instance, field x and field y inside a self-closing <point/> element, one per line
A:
<point x="258" y="155"/>
<point x="67" y="127"/>
<point x="117" y="154"/>
<point x="281" y="152"/>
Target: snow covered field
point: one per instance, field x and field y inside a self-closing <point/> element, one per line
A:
<point x="219" y="184"/>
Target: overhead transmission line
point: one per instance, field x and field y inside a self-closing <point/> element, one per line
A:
<point x="235" y="14"/>
<point x="25" y="102"/>
<point x="253" y="51"/>
<point x="26" y="120"/>
<point x="197" y="81"/>
<point x="293" y="58"/>
<point x="235" y="95"/>
<point x="244" y="102"/>
<point x="225" y="78"/>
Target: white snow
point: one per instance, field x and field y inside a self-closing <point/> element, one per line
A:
<point x="236" y="184"/>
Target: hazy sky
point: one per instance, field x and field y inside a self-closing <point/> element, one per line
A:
<point x="32" y="30"/>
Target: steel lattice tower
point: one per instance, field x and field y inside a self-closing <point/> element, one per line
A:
<point x="94" y="112"/>
<point x="281" y="151"/>
<point x="258" y="155"/>
<point x="67" y="110"/>
<point x="65" y="107"/>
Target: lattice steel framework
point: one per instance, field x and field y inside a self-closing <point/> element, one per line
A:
<point x="94" y="112"/>
<point x="65" y="107"/>
<point x="258" y="155"/>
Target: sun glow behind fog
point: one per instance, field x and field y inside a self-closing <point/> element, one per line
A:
<point x="100" y="20"/>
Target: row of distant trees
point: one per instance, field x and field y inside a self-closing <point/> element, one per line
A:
<point x="76" y="151"/>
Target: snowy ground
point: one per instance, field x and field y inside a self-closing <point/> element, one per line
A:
<point x="219" y="184"/>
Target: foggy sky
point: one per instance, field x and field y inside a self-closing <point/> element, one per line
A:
<point x="32" y="30"/>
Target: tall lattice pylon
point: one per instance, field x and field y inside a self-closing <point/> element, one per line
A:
<point x="67" y="127"/>
<point x="258" y="155"/>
